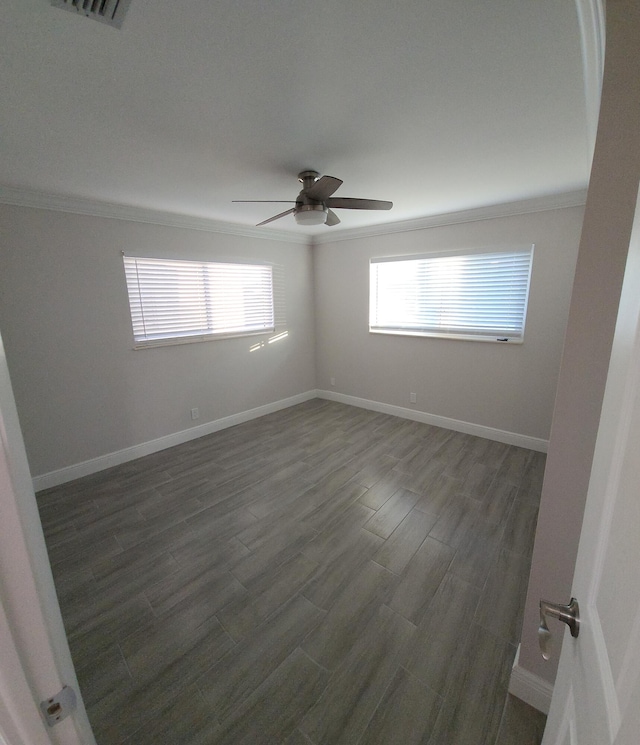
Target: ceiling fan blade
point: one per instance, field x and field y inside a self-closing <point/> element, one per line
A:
<point x="276" y="217"/>
<point x="332" y="218"/>
<point x="265" y="201"/>
<point x="323" y="188"/>
<point x="358" y="204"/>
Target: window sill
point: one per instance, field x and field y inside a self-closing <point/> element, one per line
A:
<point x="172" y="342"/>
<point x="458" y="337"/>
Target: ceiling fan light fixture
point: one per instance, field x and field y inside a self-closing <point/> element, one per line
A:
<point x="311" y="214"/>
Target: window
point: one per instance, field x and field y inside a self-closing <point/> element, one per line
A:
<point x="173" y="302"/>
<point x="468" y="295"/>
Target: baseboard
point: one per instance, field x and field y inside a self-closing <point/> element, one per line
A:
<point x="530" y="688"/>
<point x="87" y="467"/>
<point x="469" y="428"/>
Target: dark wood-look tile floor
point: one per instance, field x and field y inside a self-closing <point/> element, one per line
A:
<point x="324" y="574"/>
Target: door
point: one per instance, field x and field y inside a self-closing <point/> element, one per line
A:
<point x="596" y="699"/>
<point x="34" y="656"/>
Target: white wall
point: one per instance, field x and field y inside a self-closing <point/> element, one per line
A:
<point x="80" y="388"/>
<point x="507" y="387"/>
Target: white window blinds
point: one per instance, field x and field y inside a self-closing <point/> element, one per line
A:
<point x="175" y="301"/>
<point x="467" y="295"/>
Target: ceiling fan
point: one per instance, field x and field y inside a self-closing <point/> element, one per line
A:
<point x="314" y="204"/>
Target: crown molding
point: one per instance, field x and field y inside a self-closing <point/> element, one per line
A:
<point x="42" y="200"/>
<point x="508" y="209"/>
<point x="95" y="208"/>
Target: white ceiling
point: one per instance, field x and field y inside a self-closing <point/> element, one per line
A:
<point x="437" y="105"/>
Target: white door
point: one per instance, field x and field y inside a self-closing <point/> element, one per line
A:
<point x="34" y="656"/>
<point x="596" y="699"/>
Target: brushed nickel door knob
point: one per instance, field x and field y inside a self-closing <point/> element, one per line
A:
<point x="569" y="614"/>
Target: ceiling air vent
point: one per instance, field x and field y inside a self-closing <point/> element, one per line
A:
<point x="106" y="11"/>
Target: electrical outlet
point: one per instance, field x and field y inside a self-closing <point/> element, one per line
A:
<point x="195" y="414"/>
<point x="412" y="398"/>
<point x="333" y="381"/>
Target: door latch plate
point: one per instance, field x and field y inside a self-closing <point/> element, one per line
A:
<point x="58" y="707"/>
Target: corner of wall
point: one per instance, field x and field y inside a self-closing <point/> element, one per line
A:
<point x="314" y="304"/>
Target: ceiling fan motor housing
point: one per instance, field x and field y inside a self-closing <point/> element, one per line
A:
<point x="308" y="178"/>
<point x="309" y="211"/>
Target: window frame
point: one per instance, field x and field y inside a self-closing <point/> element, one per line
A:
<point x="197" y="335"/>
<point x="507" y="338"/>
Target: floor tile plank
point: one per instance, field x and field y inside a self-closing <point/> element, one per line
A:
<point x="349" y="615"/>
<point x="520" y="528"/>
<point x="273" y="710"/>
<point x="437" y="495"/>
<point x="500" y="608"/>
<point x="380" y="492"/>
<point x="273" y="590"/>
<point x="422" y="579"/>
<point x="482" y="673"/>
<point x="392" y="513"/>
<point x="229" y="683"/>
<point x="477" y="552"/>
<point x="406" y="714"/>
<point x="520" y="724"/>
<point x="338" y="570"/>
<point x="177" y="721"/>
<point x="439" y="641"/>
<point x="398" y="550"/>
<point x="134" y="705"/>
<point x="345" y="708"/>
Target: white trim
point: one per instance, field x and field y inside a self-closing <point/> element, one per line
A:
<point x="508" y="209"/>
<point x="102" y="462"/>
<point x="591" y="19"/>
<point x="79" y="206"/>
<point x="469" y="428"/>
<point x="530" y="688"/>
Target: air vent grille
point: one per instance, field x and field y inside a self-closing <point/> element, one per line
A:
<point x="111" y="12"/>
